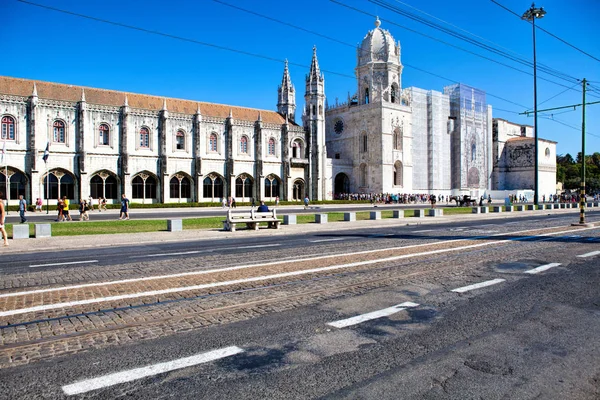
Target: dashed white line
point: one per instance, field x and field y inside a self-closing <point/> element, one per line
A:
<point x="591" y="254"/>
<point x="424" y="230"/>
<point x="181" y="253"/>
<point x="478" y="285"/>
<point x="327" y="240"/>
<point x="372" y="315"/>
<point x="542" y="268"/>
<point x="64" y="263"/>
<point x="258" y="246"/>
<point x="138" y="373"/>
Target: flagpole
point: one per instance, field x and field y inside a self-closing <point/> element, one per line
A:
<point x="47" y="189"/>
<point x="5" y="172"/>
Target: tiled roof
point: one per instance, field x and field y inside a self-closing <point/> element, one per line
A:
<point x="522" y="138"/>
<point x="59" y="91"/>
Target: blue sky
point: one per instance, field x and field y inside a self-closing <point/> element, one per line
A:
<point x="43" y="44"/>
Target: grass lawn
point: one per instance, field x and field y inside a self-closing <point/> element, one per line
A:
<point x="135" y="226"/>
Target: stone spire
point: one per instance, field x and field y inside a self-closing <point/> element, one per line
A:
<point x="82" y="94"/>
<point x="259" y="116"/>
<point x="34" y="93"/>
<point x="164" y="107"/>
<point x="315" y="72"/>
<point x="286" y="95"/>
<point x="126" y="103"/>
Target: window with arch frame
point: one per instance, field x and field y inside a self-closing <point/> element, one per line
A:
<point x="271" y="147"/>
<point x="103" y="135"/>
<point x="212" y="143"/>
<point x="144" y="138"/>
<point x="8" y="128"/>
<point x="244" y="145"/>
<point x="58" y="131"/>
<point x="180" y="140"/>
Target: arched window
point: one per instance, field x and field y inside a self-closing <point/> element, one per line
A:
<point x="143" y="187"/>
<point x="366" y="95"/>
<point x="59" y="131"/>
<point x="362" y="177"/>
<point x="180" y="187"/>
<point x="244" y="145"/>
<point x="8" y="128"/>
<point x="103" y="135"/>
<point x="61" y="184"/>
<point x="271" y="147"/>
<point x="103" y="185"/>
<point x="212" y="187"/>
<point x="180" y="140"/>
<point x="365" y="143"/>
<point x="17" y="183"/>
<point x="243" y="186"/>
<point x="271" y="186"/>
<point x="398" y="174"/>
<point x="144" y="140"/>
<point x="393" y="94"/>
<point x="298" y="189"/>
<point x="473" y="151"/>
<point x="212" y="143"/>
<point x="297" y="149"/>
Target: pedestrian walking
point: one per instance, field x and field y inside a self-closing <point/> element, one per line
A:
<point x="83" y="211"/>
<point x="233" y="205"/>
<point x="306" y="201"/>
<point x="22" y="208"/>
<point x="124" y="207"/>
<point x="91" y="203"/>
<point x="104" y="204"/>
<point x="38" y="205"/>
<point x="2" y="218"/>
<point x="66" y="214"/>
<point x="252" y="202"/>
<point x="60" y="206"/>
<point x="277" y="201"/>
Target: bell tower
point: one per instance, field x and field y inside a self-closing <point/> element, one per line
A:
<point x="313" y="120"/>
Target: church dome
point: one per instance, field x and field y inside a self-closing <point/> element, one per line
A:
<point x="378" y="45"/>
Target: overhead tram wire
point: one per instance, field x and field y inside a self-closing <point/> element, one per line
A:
<point x="549" y="33"/>
<point x="171" y="36"/>
<point x="547" y="100"/>
<point x="193" y="41"/>
<point x="346" y="44"/>
<point x="447" y="43"/>
<point x="477" y="43"/>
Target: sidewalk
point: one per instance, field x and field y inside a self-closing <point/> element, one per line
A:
<point x="147" y="238"/>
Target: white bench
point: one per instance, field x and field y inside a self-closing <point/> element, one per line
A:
<point x="251" y="218"/>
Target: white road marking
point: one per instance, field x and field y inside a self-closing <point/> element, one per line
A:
<point x="478" y="285"/>
<point x="542" y="268"/>
<point x="150" y="370"/>
<point x="65" y="263"/>
<point x="258" y="246"/>
<point x="327" y="240"/>
<point x="593" y="253"/>
<point x="424" y="230"/>
<point x="239" y="267"/>
<point x="182" y="253"/>
<point x="372" y="315"/>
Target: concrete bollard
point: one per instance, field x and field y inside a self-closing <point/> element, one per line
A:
<point x="548" y="206"/>
<point x="419" y="213"/>
<point x="20" y="231"/>
<point x="497" y="209"/>
<point x="485" y="210"/>
<point x="563" y="205"/>
<point x="289" y="219"/>
<point x="398" y="214"/>
<point x="530" y="207"/>
<point x="174" y="225"/>
<point x="520" y="207"/>
<point x="475" y="210"/>
<point x="435" y="212"/>
<point x="509" y="208"/>
<point x="350" y="216"/>
<point x="375" y="215"/>
<point x="589" y="205"/>
<point x="43" y="230"/>
<point x="321" y="218"/>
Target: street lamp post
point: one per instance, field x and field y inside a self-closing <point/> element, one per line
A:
<point x="531" y="15"/>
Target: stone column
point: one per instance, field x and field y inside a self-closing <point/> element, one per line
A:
<point x="196" y="151"/>
<point x="32" y="163"/>
<point x="163" y="171"/>
<point x="123" y="151"/>
<point x="81" y="170"/>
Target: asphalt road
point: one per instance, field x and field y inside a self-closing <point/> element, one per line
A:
<point x="532" y="333"/>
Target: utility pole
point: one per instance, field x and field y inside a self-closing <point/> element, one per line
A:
<point x="582" y="189"/>
<point x="530" y="15"/>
